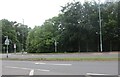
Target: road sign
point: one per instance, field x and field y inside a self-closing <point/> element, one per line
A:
<point x="7" y="41"/>
<point x="14" y="45"/>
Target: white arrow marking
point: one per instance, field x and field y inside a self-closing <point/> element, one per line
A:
<point x="31" y="72"/>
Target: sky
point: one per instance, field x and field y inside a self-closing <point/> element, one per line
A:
<point x="34" y="12"/>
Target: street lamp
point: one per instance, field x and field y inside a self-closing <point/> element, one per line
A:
<point x="23" y="38"/>
<point x="14" y="25"/>
<point x="101" y="49"/>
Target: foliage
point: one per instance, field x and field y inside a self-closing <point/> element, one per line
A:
<point x="15" y="32"/>
<point x="75" y="29"/>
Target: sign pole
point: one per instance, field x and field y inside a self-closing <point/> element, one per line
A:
<point x="15" y="48"/>
<point x="7" y="43"/>
<point x="55" y="46"/>
<point x="7" y="51"/>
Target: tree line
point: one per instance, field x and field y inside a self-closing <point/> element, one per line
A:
<point x="17" y="34"/>
<point x="75" y="29"/>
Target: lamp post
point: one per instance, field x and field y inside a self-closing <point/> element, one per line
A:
<point x="23" y="38"/>
<point x="14" y="25"/>
<point x="101" y="49"/>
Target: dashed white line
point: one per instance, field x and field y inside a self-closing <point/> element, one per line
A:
<point x="96" y="74"/>
<point x="62" y="64"/>
<point x="18" y="67"/>
<point x="54" y="64"/>
<point x="44" y="70"/>
<point x="40" y="63"/>
<point x="31" y="72"/>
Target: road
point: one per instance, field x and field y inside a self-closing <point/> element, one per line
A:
<point x="87" y="68"/>
<point x="59" y="68"/>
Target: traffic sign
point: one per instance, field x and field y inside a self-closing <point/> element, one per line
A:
<point x="14" y="45"/>
<point x="7" y="41"/>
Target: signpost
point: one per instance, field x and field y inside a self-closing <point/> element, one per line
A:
<point x="55" y="46"/>
<point x="7" y="43"/>
<point x="14" y="48"/>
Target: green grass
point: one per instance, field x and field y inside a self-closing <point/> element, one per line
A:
<point x="63" y="59"/>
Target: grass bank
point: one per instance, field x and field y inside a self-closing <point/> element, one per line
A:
<point x="62" y="59"/>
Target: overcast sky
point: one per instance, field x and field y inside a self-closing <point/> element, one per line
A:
<point x="34" y="12"/>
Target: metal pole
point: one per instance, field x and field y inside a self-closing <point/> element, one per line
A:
<point x="55" y="46"/>
<point x="101" y="49"/>
<point x="7" y="47"/>
<point x="7" y="51"/>
<point x="15" y="48"/>
<point x="23" y="38"/>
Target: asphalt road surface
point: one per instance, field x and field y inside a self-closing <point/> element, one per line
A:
<point x="59" y="68"/>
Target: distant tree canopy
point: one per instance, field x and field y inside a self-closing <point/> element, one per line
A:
<point x="75" y="29"/>
<point x="16" y="32"/>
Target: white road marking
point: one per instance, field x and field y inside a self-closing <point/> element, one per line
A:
<point x="18" y="67"/>
<point x="31" y="72"/>
<point x="63" y="64"/>
<point x="96" y="74"/>
<point x="55" y="64"/>
<point x="40" y="63"/>
<point x="28" y="68"/>
<point x="43" y="70"/>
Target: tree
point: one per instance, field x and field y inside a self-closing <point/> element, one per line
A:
<point x="42" y="38"/>
<point x="14" y="32"/>
<point x="8" y="30"/>
<point x="76" y="28"/>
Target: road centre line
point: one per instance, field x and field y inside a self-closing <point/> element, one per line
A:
<point x="54" y="64"/>
<point x="63" y="64"/>
<point x="18" y="68"/>
<point x="27" y="68"/>
<point x="40" y="63"/>
<point x="95" y="74"/>
<point x="43" y="70"/>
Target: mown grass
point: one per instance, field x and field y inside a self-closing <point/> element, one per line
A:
<point x="63" y="59"/>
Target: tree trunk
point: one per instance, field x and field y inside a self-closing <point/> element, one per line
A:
<point x="79" y="46"/>
<point x="87" y="45"/>
<point x="110" y="45"/>
<point x="98" y="46"/>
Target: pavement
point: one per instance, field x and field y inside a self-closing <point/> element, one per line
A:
<point x="61" y="55"/>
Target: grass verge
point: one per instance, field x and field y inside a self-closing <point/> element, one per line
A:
<point x="62" y="59"/>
